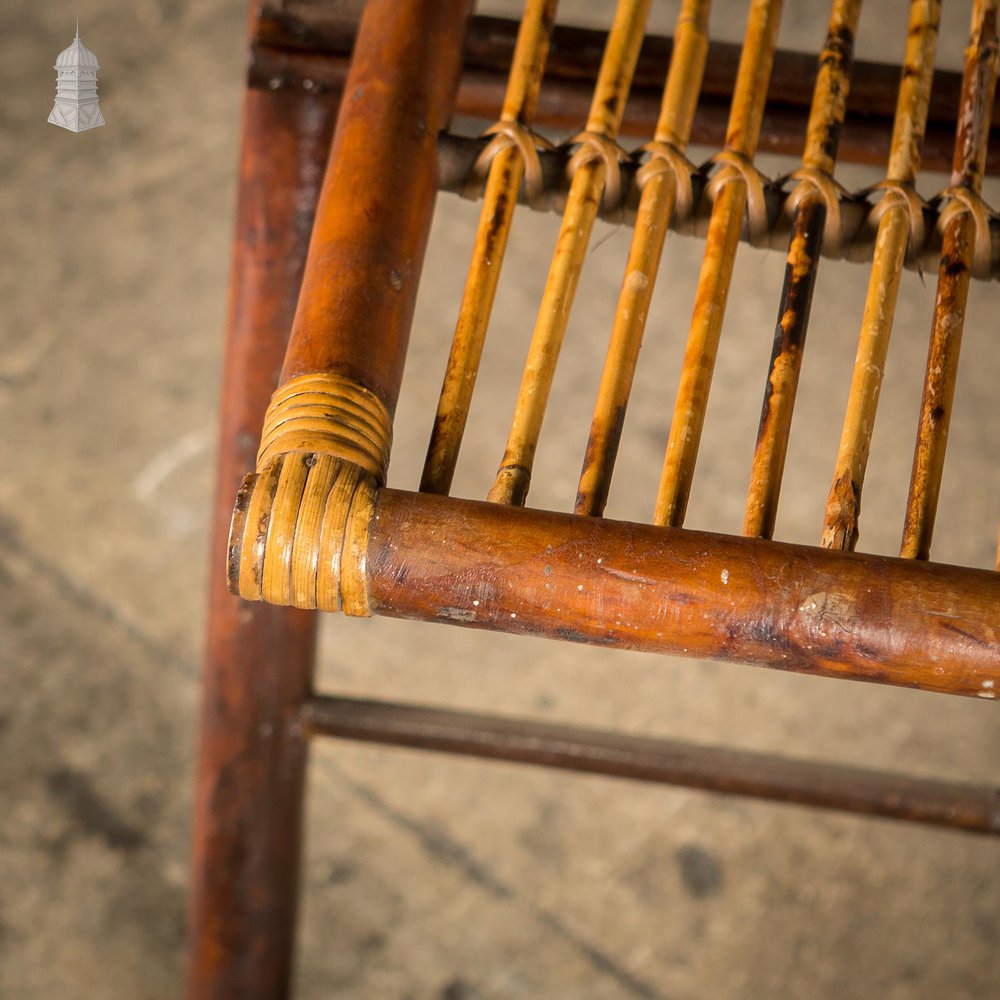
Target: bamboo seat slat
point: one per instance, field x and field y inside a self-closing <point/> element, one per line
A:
<point x="717" y="267"/>
<point x="962" y="228"/>
<point x="656" y="204"/>
<point x="586" y="190"/>
<point x="506" y="170"/>
<point x="808" y="224"/>
<point x="843" y="508"/>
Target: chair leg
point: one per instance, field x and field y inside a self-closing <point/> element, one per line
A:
<point x="259" y="659"/>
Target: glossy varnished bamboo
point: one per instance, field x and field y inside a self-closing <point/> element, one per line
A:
<point x="688" y="593"/>
<point x="258" y="662"/>
<point x="972" y="808"/>
<point x="802" y="264"/>
<point x="503" y="181"/>
<point x="586" y="190"/>
<point x="717" y="267"/>
<point x="957" y="253"/>
<point x="373" y="218"/>
<point x="843" y="508"/>
<point x="656" y="204"/>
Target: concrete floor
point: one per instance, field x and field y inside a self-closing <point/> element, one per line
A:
<point x="429" y="877"/>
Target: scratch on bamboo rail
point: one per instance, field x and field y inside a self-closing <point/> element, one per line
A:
<point x="663" y="180"/>
<point x="506" y="170"/>
<point x="966" y="224"/>
<point x="819" y="201"/>
<point x="595" y="173"/>
<point x="723" y="236"/>
<point x="901" y="215"/>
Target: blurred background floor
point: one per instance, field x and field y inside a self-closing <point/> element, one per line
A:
<point x="428" y="877"/>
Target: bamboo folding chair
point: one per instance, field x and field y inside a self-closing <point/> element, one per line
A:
<point x="316" y="527"/>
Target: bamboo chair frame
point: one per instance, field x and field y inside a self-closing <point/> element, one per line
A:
<point x="315" y="526"/>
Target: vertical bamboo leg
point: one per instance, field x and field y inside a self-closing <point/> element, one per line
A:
<point x="586" y="188"/>
<point x="822" y="135"/>
<point x="717" y="266"/>
<point x="656" y="205"/>
<point x="958" y="249"/>
<point x="840" y="528"/>
<point x="500" y="197"/>
<point x="258" y="663"/>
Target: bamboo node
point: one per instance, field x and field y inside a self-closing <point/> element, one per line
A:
<point x="593" y="146"/>
<point x="956" y="201"/>
<point x="810" y="180"/>
<point x="896" y="193"/>
<point x="511" y="135"/>
<point x="729" y="166"/>
<point x="665" y="158"/>
<point x="328" y="414"/>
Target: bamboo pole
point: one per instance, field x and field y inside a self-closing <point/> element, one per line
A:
<point x="723" y="770"/>
<point x="503" y="182"/>
<point x="588" y="184"/>
<point x="900" y="215"/>
<point x="684" y="592"/>
<point x="656" y="205"/>
<point x="822" y="136"/>
<point x="717" y="266"/>
<point x="958" y="249"/>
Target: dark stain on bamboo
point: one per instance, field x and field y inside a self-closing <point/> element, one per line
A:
<point x="796" y="301"/>
<point x="802" y="265"/>
<point x="957" y="253"/>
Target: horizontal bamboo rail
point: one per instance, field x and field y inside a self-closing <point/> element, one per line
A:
<point x="313" y="58"/>
<point x="612" y="583"/>
<point x="966" y="807"/>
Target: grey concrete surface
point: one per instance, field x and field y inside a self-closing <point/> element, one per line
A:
<point x="429" y="877"/>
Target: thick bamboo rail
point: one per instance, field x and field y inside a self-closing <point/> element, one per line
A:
<point x="964" y="247"/>
<point x="314" y="57"/>
<point x="820" y="197"/>
<point x="665" y="177"/>
<point x="843" y="508"/>
<point x="965" y="807"/>
<point x="505" y="172"/>
<point x="503" y="568"/>
<point x="595" y="175"/>
<point x="717" y="266"/>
